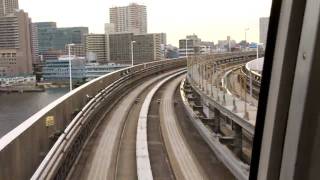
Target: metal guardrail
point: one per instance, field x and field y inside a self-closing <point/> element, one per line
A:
<point x="23" y="149"/>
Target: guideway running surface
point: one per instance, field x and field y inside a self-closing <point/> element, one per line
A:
<point x="99" y="160"/>
<point x="183" y="161"/>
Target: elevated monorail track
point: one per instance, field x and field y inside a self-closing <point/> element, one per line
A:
<point x="126" y="126"/>
<point x="118" y="145"/>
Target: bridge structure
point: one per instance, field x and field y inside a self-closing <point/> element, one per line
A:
<point x="152" y="120"/>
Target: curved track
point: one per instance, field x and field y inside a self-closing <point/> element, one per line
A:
<point x="185" y="165"/>
<point x="141" y="138"/>
<point x="100" y="160"/>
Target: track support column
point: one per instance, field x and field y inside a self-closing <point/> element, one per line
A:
<point x="237" y="143"/>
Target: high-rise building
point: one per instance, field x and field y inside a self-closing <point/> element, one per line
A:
<point x="263" y="25"/>
<point x="131" y="19"/>
<point x="8" y="7"/>
<point x="96" y="43"/>
<point x="15" y="44"/>
<point x="35" y="44"/>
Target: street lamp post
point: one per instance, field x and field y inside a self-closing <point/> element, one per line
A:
<point x="70" y="73"/>
<point x="245" y="37"/>
<point x="132" y="42"/>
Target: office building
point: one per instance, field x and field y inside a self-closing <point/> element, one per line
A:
<point x="15" y="44"/>
<point x="68" y="35"/>
<point x="263" y="29"/>
<point x="8" y="7"/>
<point x="46" y="31"/>
<point x="190" y="45"/>
<point x="148" y="47"/>
<point x="52" y="38"/>
<point x="131" y="19"/>
<point x="120" y="47"/>
<point x="96" y="43"/>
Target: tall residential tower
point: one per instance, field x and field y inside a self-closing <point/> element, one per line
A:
<point x="130" y="19"/>
<point x="8" y="7"/>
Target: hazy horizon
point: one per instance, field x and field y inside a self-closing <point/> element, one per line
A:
<point x="211" y="20"/>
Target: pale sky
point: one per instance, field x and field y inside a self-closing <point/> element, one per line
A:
<point x="211" y="20"/>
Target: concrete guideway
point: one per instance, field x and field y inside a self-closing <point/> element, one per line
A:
<point x="182" y="159"/>
<point x="143" y="160"/>
<point x="101" y="161"/>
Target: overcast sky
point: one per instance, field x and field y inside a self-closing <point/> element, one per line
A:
<point x="211" y="20"/>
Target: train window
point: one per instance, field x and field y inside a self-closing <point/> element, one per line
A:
<point x="203" y="89"/>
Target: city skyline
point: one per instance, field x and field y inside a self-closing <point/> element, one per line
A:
<point x="209" y="21"/>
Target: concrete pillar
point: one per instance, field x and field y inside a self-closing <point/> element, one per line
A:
<point x="216" y="123"/>
<point x="237" y="144"/>
<point x="207" y="110"/>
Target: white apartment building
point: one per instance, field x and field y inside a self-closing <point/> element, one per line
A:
<point x="8" y="7"/>
<point x="130" y="19"/>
